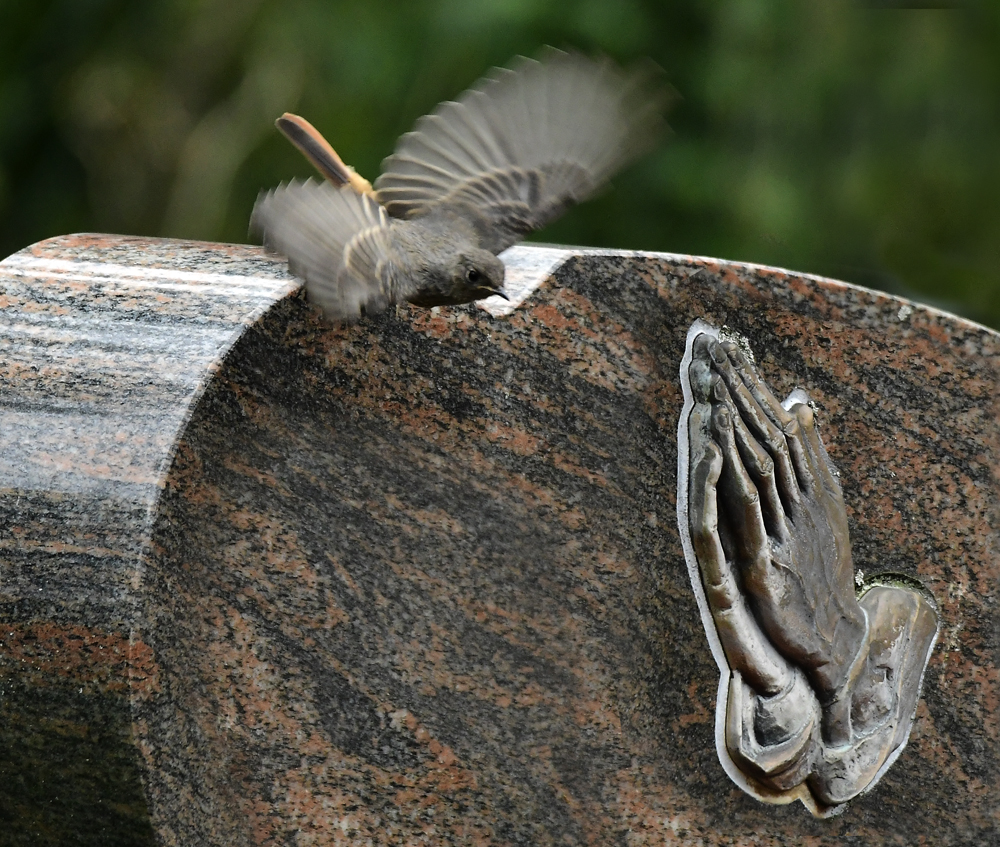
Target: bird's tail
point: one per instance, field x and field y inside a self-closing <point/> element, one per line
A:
<point x="318" y="151"/>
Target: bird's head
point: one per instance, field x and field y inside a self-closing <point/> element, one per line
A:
<point x="460" y="276"/>
<point x="477" y="274"/>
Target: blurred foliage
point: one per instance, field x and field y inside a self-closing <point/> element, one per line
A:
<point x="849" y="139"/>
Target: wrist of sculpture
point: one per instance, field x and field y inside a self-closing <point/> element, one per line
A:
<point x="837" y="721"/>
<point x="773" y="738"/>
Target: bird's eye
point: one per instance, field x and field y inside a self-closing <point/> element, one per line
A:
<point x="473" y="275"/>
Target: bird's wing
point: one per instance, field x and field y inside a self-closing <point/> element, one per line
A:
<point x="524" y="144"/>
<point x="335" y="239"/>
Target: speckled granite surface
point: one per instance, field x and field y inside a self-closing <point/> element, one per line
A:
<point x="418" y="581"/>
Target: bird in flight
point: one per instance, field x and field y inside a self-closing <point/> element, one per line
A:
<point x="509" y="156"/>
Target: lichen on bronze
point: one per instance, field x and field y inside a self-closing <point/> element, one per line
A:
<point x="820" y="678"/>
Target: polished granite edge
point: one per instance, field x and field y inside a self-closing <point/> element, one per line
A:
<point x="108" y="343"/>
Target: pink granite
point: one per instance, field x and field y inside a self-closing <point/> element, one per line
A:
<point x="418" y="581"/>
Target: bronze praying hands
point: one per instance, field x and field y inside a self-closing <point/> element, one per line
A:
<point x="820" y="680"/>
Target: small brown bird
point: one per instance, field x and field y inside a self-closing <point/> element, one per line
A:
<point x="473" y="178"/>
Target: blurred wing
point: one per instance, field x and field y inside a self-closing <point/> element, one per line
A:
<point x="521" y="147"/>
<point x="335" y="239"/>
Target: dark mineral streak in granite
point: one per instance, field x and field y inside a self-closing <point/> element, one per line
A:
<point x="417" y="581"/>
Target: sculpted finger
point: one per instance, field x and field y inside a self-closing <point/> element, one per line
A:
<point x="740" y="378"/>
<point x="781" y="430"/>
<point x="743" y="509"/>
<point x="747" y="649"/>
<point x="760" y="467"/>
<point x="817" y="457"/>
<point x="720" y="584"/>
<point x="755" y="384"/>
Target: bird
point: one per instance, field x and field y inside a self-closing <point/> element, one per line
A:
<point x="474" y="177"/>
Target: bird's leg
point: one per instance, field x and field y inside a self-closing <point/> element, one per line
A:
<point x="318" y="151"/>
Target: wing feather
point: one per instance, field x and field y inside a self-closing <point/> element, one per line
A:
<point x="335" y="239"/>
<point x="524" y="144"/>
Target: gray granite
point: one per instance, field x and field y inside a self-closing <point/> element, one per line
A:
<point x="418" y="580"/>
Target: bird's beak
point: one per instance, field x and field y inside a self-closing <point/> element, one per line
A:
<point x="499" y="292"/>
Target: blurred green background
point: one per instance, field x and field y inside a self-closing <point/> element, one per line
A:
<point x="849" y="139"/>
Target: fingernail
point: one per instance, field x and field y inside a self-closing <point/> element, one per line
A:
<point x="734" y="352"/>
<point x="715" y="351"/>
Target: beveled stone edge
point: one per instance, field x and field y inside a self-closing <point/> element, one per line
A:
<point x="532" y="274"/>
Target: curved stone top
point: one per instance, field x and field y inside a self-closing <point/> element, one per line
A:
<point x="108" y="343"/>
<point x="418" y="580"/>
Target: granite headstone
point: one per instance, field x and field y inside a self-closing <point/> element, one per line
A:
<point x="418" y="580"/>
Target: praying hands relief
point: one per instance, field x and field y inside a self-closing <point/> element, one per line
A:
<point x="820" y="682"/>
